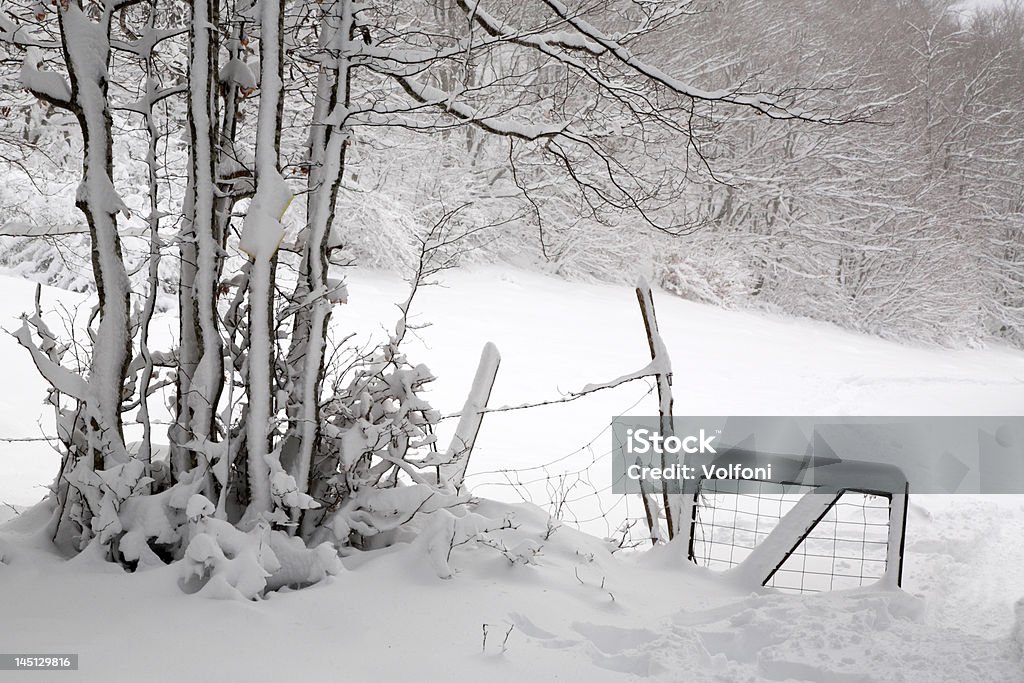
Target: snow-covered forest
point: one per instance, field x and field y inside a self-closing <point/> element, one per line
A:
<point x="907" y="225"/>
<point x="238" y="214"/>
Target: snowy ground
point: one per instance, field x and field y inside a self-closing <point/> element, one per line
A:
<point x="579" y="613"/>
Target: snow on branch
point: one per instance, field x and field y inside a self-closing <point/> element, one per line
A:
<point x="431" y="96"/>
<point x="237" y="71"/>
<point x="59" y="377"/>
<point x="15" y="34"/>
<point x="146" y="103"/>
<point x="262" y="230"/>
<point x="496" y="28"/>
<point x="21" y="229"/>
<point x="767" y="103"/>
<point x="46" y="85"/>
<point x="587" y="39"/>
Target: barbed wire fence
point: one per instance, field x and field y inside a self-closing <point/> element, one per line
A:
<point x="575" y="488"/>
<point x="575" y="495"/>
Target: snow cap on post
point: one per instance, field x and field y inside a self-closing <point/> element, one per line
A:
<point x="262" y="230"/>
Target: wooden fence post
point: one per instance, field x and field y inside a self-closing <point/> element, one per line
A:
<point x="461" y="447"/>
<point x="671" y="492"/>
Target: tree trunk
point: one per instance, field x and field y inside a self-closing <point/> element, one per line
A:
<point x="86" y="46"/>
<point x="261" y="236"/>
<point x="327" y="146"/>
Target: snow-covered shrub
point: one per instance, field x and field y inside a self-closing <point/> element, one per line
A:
<point x="34" y="231"/>
<point x="446" y="530"/>
<point x="488" y="536"/>
<point x="153" y="527"/>
<point x="592" y="250"/>
<point x="378" y="462"/>
<point x="708" y="271"/>
<point x="105" y="492"/>
<point x="50" y="261"/>
<point x="222" y="561"/>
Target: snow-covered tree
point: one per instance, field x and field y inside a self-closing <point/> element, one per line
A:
<point x="277" y="115"/>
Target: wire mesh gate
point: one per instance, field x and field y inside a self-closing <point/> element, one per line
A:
<point x="850" y="543"/>
<point x="846" y="547"/>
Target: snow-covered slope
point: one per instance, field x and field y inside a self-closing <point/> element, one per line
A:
<point x="556" y="337"/>
<point x="577" y="612"/>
